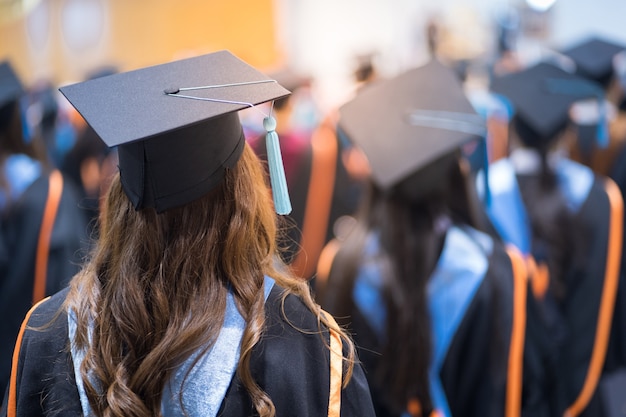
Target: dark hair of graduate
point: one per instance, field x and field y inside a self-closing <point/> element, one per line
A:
<point x="550" y="220"/>
<point x="150" y="273"/>
<point x="411" y="230"/>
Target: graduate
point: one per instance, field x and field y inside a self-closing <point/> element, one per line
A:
<point x="41" y="227"/>
<point x="437" y="307"/>
<point x="603" y="60"/>
<point x="569" y="220"/>
<point x="184" y="307"/>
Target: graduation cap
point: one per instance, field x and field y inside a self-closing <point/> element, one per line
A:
<point x="11" y="89"/>
<point x="594" y="58"/>
<point x="176" y="125"/>
<point x="541" y="97"/>
<point x="408" y="124"/>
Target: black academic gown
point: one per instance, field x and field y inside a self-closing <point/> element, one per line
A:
<point x="20" y="234"/>
<point x="290" y="365"/>
<point x="617" y="350"/>
<point x="591" y="281"/>
<point x="477" y="375"/>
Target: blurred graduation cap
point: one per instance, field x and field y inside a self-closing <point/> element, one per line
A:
<point x="291" y="79"/>
<point x="409" y="124"/>
<point x="11" y="89"/>
<point x="176" y="125"/>
<point x="541" y="96"/>
<point x="594" y="58"/>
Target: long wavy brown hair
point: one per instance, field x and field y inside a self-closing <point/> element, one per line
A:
<point x="155" y="289"/>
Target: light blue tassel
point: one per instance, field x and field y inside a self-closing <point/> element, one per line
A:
<point x="603" y="128"/>
<point x="282" y="203"/>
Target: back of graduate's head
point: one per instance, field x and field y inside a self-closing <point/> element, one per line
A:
<point x="442" y="187"/>
<point x="526" y="135"/>
<point x="542" y="97"/>
<point x="412" y="129"/>
<point x="238" y="211"/>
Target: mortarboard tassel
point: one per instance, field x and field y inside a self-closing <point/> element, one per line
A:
<point x="603" y="128"/>
<point x="282" y="203"/>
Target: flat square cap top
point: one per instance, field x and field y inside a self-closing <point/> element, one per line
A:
<point x="542" y="95"/>
<point x="405" y="123"/>
<point x="132" y="106"/>
<point x="11" y="87"/>
<point x="594" y="57"/>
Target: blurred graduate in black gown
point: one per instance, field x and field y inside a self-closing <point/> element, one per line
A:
<point x="568" y="220"/>
<point x="437" y="307"/>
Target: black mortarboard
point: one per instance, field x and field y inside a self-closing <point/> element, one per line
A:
<point x="541" y="97"/>
<point x="11" y="89"/>
<point x="594" y="58"/>
<point x="408" y="123"/>
<point x="176" y="124"/>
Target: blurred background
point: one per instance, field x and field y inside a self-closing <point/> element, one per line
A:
<point x="63" y="41"/>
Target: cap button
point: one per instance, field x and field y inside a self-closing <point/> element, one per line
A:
<point x="269" y="124"/>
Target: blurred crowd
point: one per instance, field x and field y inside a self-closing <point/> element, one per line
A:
<point x="475" y="256"/>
